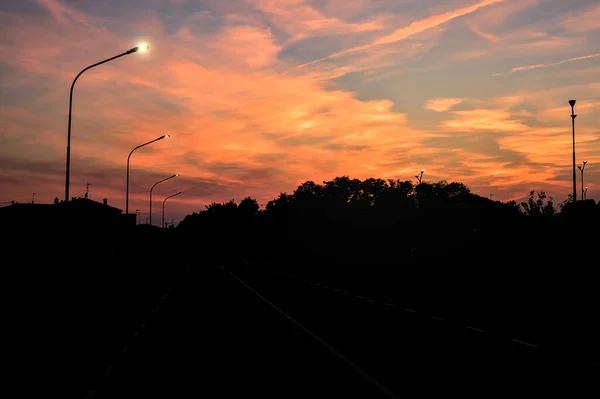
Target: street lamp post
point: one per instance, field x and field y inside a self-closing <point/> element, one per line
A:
<point x="572" y="103"/>
<point x="581" y="169"/>
<point x="152" y="188"/>
<point x="129" y="156"/>
<point x="133" y="50"/>
<point x="420" y="178"/>
<point x="585" y="193"/>
<point x="163" y="207"/>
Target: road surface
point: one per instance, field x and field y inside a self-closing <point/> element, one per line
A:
<point x="213" y="337"/>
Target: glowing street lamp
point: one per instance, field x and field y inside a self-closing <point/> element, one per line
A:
<point x="585" y="193"/>
<point x="127" y="189"/>
<point x="581" y="169"/>
<point x="133" y="50"/>
<point x="163" y="208"/>
<point x="152" y="188"/>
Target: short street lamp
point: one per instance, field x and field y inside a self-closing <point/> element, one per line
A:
<point x="152" y="188"/>
<point x="163" y="207"/>
<point x="129" y="156"/>
<point x="581" y="169"/>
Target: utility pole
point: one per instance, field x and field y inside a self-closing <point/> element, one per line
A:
<point x="87" y="189"/>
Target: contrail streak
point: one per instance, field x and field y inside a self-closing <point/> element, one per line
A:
<point x="405" y="32"/>
<point x="535" y="66"/>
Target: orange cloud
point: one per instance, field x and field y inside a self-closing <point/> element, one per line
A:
<point x="492" y="120"/>
<point x="442" y="104"/>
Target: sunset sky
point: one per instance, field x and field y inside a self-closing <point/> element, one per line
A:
<point x="262" y="95"/>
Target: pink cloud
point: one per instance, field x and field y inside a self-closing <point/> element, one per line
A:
<point x="249" y="45"/>
<point x="487" y="36"/>
<point x="583" y="21"/>
<point x="301" y="20"/>
<point x="63" y="14"/>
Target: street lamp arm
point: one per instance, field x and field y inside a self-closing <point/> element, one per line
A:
<point x="152" y="188"/>
<point x="158" y="182"/>
<point x="96" y="64"/>
<point x="163" y="207"/>
<point x="171" y="196"/>
<point x="141" y="145"/>
<point x="129" y="156"/>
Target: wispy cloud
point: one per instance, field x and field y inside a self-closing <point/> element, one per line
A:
<point x="583" y="21"/>
<point x="536" y="66"/>
<point x="487" y="36"/>
<point x="63" y="14"/>
<point x="409" y="30"/>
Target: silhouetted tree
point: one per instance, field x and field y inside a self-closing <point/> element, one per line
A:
<point x="567" y="201"/>
<point x="538" y="207"/>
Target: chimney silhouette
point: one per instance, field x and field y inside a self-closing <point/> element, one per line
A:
<point x="105" y="201"/>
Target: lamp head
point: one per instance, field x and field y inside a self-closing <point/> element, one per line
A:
<point x="141" y="47"/>
<point x="584" y="162"/>
<point x="422" y="170"/>
<point x="579" y="167"/>
<point x="572" y="102"/>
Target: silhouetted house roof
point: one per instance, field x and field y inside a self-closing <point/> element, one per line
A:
<point x="80" y="214"/>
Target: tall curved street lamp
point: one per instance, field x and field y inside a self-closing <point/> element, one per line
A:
<point x="581" y="169"/>
<point x="133" y="50"/>
<point x="572" y="104"/>
<point x="163" y="208"/>
<point x="152" y="188"/>
<point x="129" y="156"/>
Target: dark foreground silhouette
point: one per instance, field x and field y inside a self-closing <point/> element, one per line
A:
<point x="446" y="260"/>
